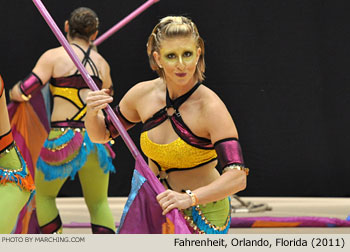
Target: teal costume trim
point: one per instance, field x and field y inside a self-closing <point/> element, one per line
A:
<point x="14" y="175"/>
<point x="71" y="167"/>
<point x="18" y="176"/>
<point x="64" y="139"/>
<point x="201" y="225"/>
<point x="206" y="227"/>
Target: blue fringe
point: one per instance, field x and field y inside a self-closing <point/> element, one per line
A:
<point x="105" y="160"/>
<point x="197" y="219"/>
<point x="11" y="174"/>
<point x="72" y="167"/>
<point x="63" y="171"/>
<point x="65" y="138"/>
<point x="88" y="144"/>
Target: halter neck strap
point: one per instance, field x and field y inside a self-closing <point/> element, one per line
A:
<point x="181" y="99"/>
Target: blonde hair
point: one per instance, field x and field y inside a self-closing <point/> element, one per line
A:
<point x="173" y="27"/>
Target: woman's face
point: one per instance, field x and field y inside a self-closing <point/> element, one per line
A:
<point x="178" y="58"/>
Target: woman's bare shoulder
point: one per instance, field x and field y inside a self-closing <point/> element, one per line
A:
<point x="216" y="116"/>
<point x="98" y="58"/>
<point x="209" y="99"/>
<point x="146" y="88"/>
<point x="53" y="52"/>
<point x="55" y="55"/>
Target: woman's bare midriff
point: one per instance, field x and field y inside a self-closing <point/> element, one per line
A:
<point x="188" y="179"/>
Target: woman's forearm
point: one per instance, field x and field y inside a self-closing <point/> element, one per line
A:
<point x="96" y="128"/>
<point x="94" y="120"/>
<point x="227" y="184"/>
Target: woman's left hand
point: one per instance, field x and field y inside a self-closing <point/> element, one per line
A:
<point x="169" y="200"/>
<point x="15" y="93"/>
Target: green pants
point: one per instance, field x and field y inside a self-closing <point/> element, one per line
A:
<point x="94" y="183"/>
<point x="12" y="196"/>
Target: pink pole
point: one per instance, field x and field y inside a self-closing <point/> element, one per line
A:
<point x="173" y="215"/>
<point x="63" y="41"/>
<point x="124" y="21"/>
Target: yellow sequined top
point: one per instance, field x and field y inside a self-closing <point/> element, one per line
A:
<point x="68" y="87"/>
<point x="177" y="154"/>
<point x="187" y="151"/>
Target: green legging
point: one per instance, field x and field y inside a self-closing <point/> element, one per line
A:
<point x="12" y="197"/>
<point x="94" y="184"/>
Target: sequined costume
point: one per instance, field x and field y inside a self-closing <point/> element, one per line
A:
<point x="16" y="184"/>
<point x="67" y="146"/>
<point x="68" y="151"/>
<point x="188" y="151"/>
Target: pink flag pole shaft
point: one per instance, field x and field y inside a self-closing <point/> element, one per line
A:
<point x="173" y="215"/>
<point x="128" y="141"/>
<point x="124" y="21"/>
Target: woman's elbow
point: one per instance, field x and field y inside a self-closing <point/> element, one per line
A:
<point x="244" y="183"/>
<point x="241" y="182"/>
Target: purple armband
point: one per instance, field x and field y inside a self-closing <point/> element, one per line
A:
<point x="2" y="86"/>
<point x="125" y="122"/>
<point x="229" y="152"/>
<point x="30" y="84"/>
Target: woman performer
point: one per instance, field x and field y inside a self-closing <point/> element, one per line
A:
<point x="68" y="149"/>
<point x="16" y="184"/>
<point x="186" y="128"/>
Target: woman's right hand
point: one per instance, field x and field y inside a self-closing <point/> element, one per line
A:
<point x="97" y="100"/>
<point x="94" y="120"/>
